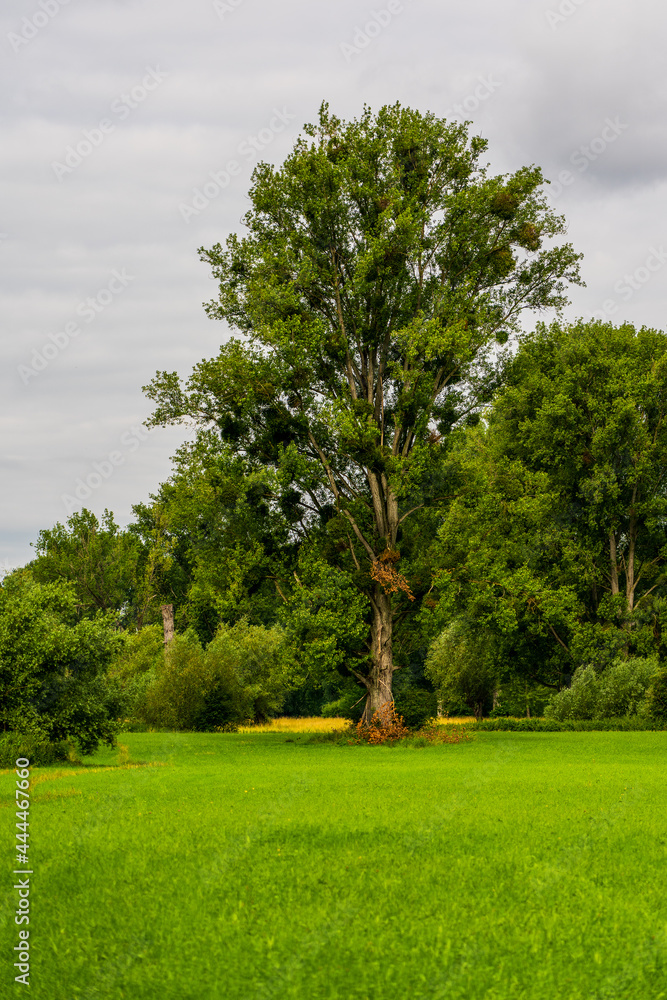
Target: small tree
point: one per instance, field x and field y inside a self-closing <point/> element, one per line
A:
<point x="379" y="267"/>
<point x="462" y="669"/>
<point x="244" y="673"/>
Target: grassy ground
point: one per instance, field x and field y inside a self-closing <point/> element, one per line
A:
<point x="512" y="867"/>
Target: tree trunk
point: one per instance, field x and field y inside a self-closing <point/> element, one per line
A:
<point x="613" y="562"/>
<point x="380" y="697"/>
<point x="630" y="565"/>
<point x="168" y="622"/>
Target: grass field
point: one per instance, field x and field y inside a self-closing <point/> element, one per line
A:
<point x="511" y="867"/>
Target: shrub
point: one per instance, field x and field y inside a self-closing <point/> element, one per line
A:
<point x="516" y="696"/>
<point x="177" y="696"/>
<point x="350" y="705"/>
<point x="388" y="727"/>
<point x="416" y="705"/>
<point x="142" y="653"/>
<point x="385" y="726"/>
<point x="52" y="665"/>
<point x="260" y="661"/>
<point x="620" y="690"/>
<point x="132" y="672"/>
<point x="631" y="724"/>
<point x="35" y="748"/>
<point x="657" y="696"/>
<point x="242" y="674"/>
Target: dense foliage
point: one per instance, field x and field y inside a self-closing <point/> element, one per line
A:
<point x="53" y="664"/>
<point x="620" y="690"/>
<point x="380" y="504"/>
<point x="380" y="266"/>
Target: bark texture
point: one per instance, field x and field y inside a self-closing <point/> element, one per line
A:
<point x="168" y="622"/>
<point x="380" y="697"/>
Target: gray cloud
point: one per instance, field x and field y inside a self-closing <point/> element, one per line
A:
<point x="219" y="74"/>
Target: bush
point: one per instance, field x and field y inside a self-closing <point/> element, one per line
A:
<point x="618" y="691"/>
<point x="242" y="674"/>
<point x="516" y="696"/>
<point x="36" y="749"/>
<point x="416" y="705"/>
<point x="629" y="725"/>
<point x="262" y="663"/>
<point x="133" y="671"/>
<point x="142" y="653"/>
<point x="177" y="695"/>
<point x="52" y="665"/>
<point x="350" y="705"/>
<point x="388" y="727"/>
<point x="385" y="726"/>
<point x="657" y="696"/>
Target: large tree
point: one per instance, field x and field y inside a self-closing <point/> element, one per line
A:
<point x="380" y="265"/>
<point x="588" y="405"/>
<point x="556" y="547"/>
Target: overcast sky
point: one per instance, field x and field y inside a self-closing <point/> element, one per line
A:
<point x="117" y="113"/>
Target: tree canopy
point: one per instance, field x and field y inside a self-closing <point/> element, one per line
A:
<point x="380" y="265"/>
<point x="388" y="474"/>
<point x="52" y="664"/>
<point x="556" y="542"/>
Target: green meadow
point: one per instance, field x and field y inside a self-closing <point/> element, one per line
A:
<point x="511" y="867"/>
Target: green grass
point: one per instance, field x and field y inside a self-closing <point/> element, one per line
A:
<point x="514" y="867"/>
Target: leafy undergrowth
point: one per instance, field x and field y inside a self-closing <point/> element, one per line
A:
<point x="632" y="724"/>
<point x="387" y="727"/>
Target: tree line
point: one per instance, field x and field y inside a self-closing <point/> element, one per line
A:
<point x="394" y="493"/>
